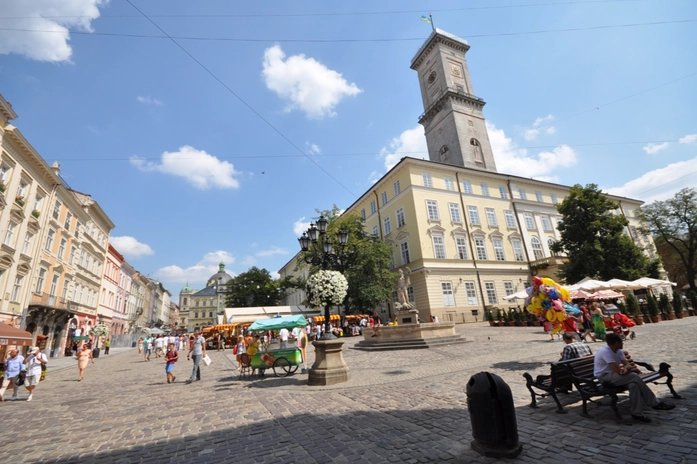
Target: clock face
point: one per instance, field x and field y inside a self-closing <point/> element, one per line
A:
<point x="432" y="77"/>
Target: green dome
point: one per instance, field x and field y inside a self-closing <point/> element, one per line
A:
<point x="186" y="289"/>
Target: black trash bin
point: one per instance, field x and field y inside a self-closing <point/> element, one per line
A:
<point x="492" y="413"/>
<point x="95" y="353"/>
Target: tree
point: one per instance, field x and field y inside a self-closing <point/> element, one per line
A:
<point x="371" y="282"/>
<point x="593" y="240"/>
<point x="673" y="223"/>
<point x="254" y="287"/>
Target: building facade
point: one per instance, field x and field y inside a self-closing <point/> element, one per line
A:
<point x="201" y="308"/>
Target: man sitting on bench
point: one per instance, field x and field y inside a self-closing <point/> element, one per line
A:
<point x="574" y="349"/>
<point x="612" y="366"/>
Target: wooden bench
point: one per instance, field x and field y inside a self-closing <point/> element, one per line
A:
<point x="579" y="372"/>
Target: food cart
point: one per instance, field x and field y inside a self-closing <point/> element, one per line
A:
<point x="284" y="361"/>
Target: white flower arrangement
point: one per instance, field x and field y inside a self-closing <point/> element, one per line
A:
<point x="100" y="330"/>
<point x="326" y="288"/>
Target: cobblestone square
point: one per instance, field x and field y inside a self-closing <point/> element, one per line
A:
<point x="399" y="406"/>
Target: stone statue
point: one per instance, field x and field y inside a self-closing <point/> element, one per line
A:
<point x="402" y="293"/>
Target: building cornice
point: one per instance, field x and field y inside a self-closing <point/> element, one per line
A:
<point x="466" y="99"/>
<point x="436" y="37"/>
<point x="6" y="110"/>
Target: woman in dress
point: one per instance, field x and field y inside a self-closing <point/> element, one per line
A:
<point x="140" y="346"/>
<point x="240" y="351"/>
<point x="598" y="321"/>
<point x="83" y="357"/>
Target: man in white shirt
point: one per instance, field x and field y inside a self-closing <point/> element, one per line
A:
<point x="35" y="359"/>
<point x="283" y="334"/>
<point x="611" y="366"/>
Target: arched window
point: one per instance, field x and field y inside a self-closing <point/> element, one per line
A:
<point x="185" y="303"/>
<point x="537" y="248"/>
<point x="550" y="243"/>
<point x="477" y="154"/>
<point x="443" y="153"/>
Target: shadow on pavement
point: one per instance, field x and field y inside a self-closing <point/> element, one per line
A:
<point x="519" y="366"/>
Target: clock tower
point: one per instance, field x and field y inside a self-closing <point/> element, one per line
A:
<point x="452" y="119"/>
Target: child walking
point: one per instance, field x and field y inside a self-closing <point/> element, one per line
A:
<point x="171" y="358"/>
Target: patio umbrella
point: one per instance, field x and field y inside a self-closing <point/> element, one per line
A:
<point x="589" y="284"/>
<point x="606" y="294"/>
<point x="648" y="282"/>
<point x="521" y="295"/>
<point x="10" y="335"/>
<point x="81" y="337"/>
<point x="619" y="284"/>
<point x="578" y="294"/>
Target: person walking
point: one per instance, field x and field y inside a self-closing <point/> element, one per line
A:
<point x="140" y="346"/>
<point x="197" y="352"/>
<point x="34" y="361"/>
<point x="283" y="335"/>
<point x="148" y="348"/>
<point x="171" y="358"/>
<point x="83" y="357"/>
<point x="107" y="344"/>
<point x="240" y="348"/>
<point x="14" y="364"/>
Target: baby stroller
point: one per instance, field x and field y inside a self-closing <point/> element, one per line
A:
<point x="621" y="325"/>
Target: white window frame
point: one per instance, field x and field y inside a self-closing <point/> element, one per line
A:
<point x="397" y="188"/>
<point x="485" y="189"/>
<point x="387" y="225"/>
<point x="438" y="246"/>
<point x="16" y="288"/>
<point x="40" y="280"/>
<point x="499" y="251"/>
<point x="473" y="213"/>
<point x="49" y="239"/>
<point x="427" y="179"/>
<point x="363" y="214"/>
<point x="466" y="186"/>
<point x="376" y="230"/>
<point x="490" y="290"/>
<point x="401" y="220"/>
<point x="503" y="192"/>
<point x="27" y="243"/>
<point x="54" y="285"/>
<point x="455" y="215"/>
<point x="471" y="293"/>
<point x="383" y="197"/>
<point x="461" y="245"/>
<point x="68" y="219"/>
<point x="447" y="291"/>
<point x="61" y="248"/>
<point x="404" y="252"/>
<point x="432" y="209"/>
<point x="9" y="235"/>
<point x="480" y="247"/>
<point x="522" y="194"/>
<point x="449" y="184"/>
<point x="555" y="200"/>
<point x="546" y="223"/>
<point x="536" y="246"/>
<point x="510" y="219"/>
<point x="518" y="250"/>
<point x="373" y="207"/>
<point x="508" y="287"/>
<point x="491" y="217"/>
<point x="529" y="221"/>
<point x="56" y="210"/>
<point x="538" y="196"/>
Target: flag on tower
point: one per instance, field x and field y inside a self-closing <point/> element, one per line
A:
<point x="425" y="18"/>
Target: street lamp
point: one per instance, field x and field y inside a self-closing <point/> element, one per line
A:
<point x="320" y="252"/>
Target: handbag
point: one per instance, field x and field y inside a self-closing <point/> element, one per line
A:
<point x="19" y="380"/>
<point x="44" y="371"/>
<point x="234" y="350"/>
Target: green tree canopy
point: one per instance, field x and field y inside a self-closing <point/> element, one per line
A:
<point x="254" y="287"/>
<point x="593" y="240"/>
<point x="673" y="223"/>
<point x="370" y="279"/>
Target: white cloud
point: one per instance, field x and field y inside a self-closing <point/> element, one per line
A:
<point x="654" y="148"/>
<point x="660" y="184"/>
<point x="46" y="15"/>
<point x="275" y="275"/>
<point x="199" y="168"/>
<point x="197" y="274"/>
<point x="130" y="247"/>
<point x="514" y="160"/>
<point x="300" y="226"/>
<point x="532" y="133"/>
<point x="305" y="83"/>
<point x="312" y="149"/>
<point x="272" y="251"/>
<point x="411" y="142"/>
<point x="690" y="138"/>
<point x="149" y="100"/>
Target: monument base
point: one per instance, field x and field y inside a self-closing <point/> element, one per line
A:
<point x="329" y="367"/>
<point x="410" y="316"/>
<point x="409" y="337"/>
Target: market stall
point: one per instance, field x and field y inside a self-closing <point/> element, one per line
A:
<point x="284" y="361"/>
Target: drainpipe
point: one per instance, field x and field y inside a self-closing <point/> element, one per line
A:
<point x="469" y="240"/>
<point x="377" y="203"/>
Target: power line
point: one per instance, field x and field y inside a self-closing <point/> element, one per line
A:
<point x="405" y="39"/>
<point x="268" y="123"/>
<point x="369" y="153"/>
<point x="356" y="13"/>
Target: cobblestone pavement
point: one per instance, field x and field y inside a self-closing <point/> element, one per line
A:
<point x="399" y="406"/>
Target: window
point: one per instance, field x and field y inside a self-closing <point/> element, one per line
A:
<point x="510" y="219"/>
<point x="72" y="255"/>
<point x="77" y="230"/>
<point x="471" y="293"/>
<point x="490" y="292"/>
<point x="210" y="314"/>
<point x="432" y="207"/>
<point x="197" y="305"/>
<point x="383" y="197"/>
<point x="40" y="280"/>
<point x="518" y="250"/>
<point x="9" y="235"/>
<point x="428" y="181"/>
<point x="64" y="293"/>
<point x="554" y="199"/>
<point x="410" y="294"/>
<point x="498" y="249"/>
<point x="522" y="194"/>
<point x="529" y="221"/>
<point x="387" y="225"/>
<point x="491" y="217"/>
<point x="503" y="192"/>
<point x="196" y="312"/>
<point x="546" y="223"/>
<point x="376" y="230"/>
<point x="634" y="233"/>
<point x="480" y="246"/>
<point x="37" y="202"/>
<point x="449" y="185"/>
<point x="27" y="243"/>
<point x="538" y="196"/>
<point x="438" y="247"/>
<point x="474" y="215"/>
<point x="22" y="189"/>
<point x="485" y="189"/>
<point x="49" y="239"/>
<point x="448" y="298"/>
<point x="508" y="287"/>
<point x="16" y="289"/>
<point x="461" y="245"/>
<point x="467" y="186"/>
<point x="56" y="210"/>
<point x="397" y="188"/>
<point x="400" y="217"/>
<point x="4" y="173"/>
<point x="404" y="248"/>
<point x="550" y="243"/>
<point x="537" y="248"/>
<point x="455" y="212"/>
<point x="82" y="257"/>
<point x="363" y="214"/>
<point x="68" y="219"/>
<point x="54" y="285"/>
<point x="205" y="302"/>
<point x="61" y="248"/>
<point x="373" y="207"/>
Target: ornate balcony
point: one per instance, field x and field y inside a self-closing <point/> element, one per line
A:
<point x="51" y="301"/>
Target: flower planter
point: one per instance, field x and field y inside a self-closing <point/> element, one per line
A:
<point x="690" y="312"/>
<point x="664" y="316"/>
<point x="510" y="323"/>
<point x="492" y="323"/>
<point x="638" y="320"/>
<point x="670" y="316"/>
<point x="646" y="318"/>
<point x="655" y="319"/>
<point x="678" y="315"/>
<point x="536" y="323"/>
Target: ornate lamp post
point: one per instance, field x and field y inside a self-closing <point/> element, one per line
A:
<point x="320" y="252"/>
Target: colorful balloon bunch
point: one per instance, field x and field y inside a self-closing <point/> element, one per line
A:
<point x="546" y="298"/>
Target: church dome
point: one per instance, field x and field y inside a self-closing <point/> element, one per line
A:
<point x="186" y="289"/>
<point x="219" y="278"/>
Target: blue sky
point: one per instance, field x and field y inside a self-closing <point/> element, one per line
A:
<point x="305" y="104"/>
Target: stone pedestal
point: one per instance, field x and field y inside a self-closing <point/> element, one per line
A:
<point x="410" y="316"/>
<point x="329" y="367"/>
